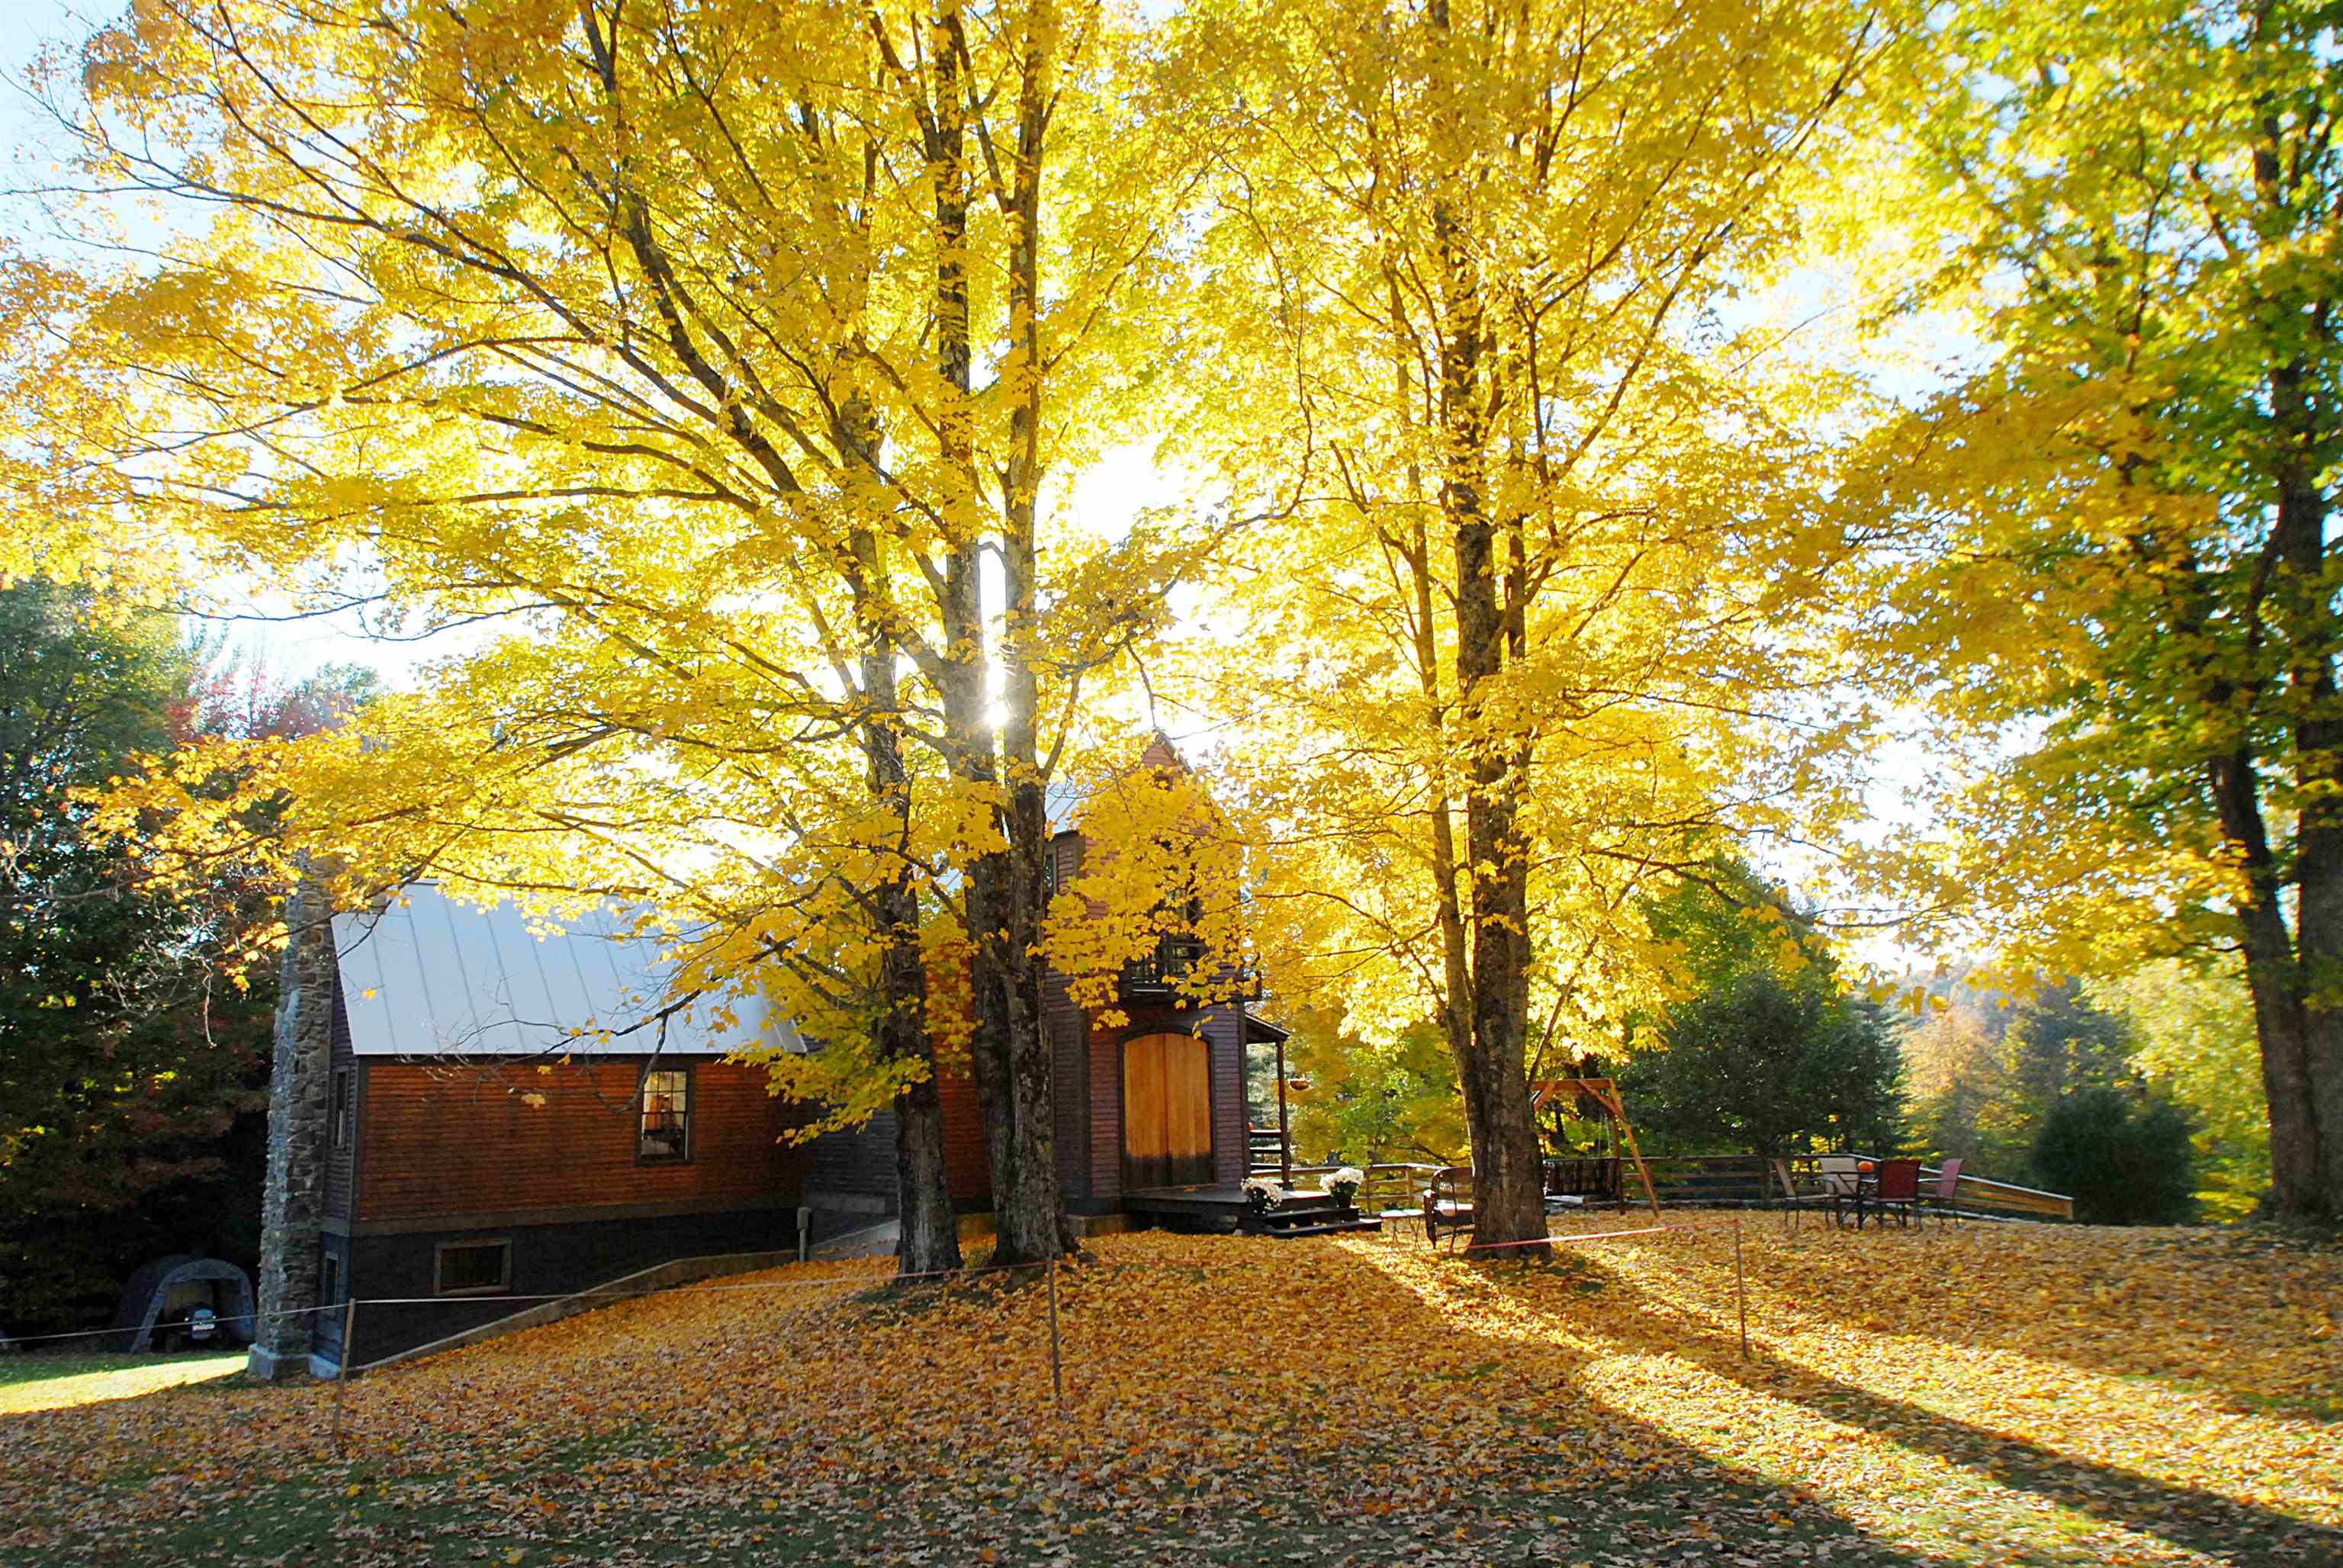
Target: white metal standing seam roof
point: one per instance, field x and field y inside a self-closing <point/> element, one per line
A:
<point x="428" y="976"/>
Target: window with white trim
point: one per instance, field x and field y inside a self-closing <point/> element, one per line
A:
<point x="666" y="1129"/>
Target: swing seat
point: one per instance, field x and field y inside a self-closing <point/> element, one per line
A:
<point x="1577" y="1180"/>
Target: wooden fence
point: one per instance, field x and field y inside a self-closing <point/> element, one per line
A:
<point x="1748" y="1179"/>
<point x="1722" y="1179"/>
<point x="1975" y="1194"/>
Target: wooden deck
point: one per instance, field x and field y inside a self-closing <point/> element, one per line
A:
<point x="1224" y="1209"/>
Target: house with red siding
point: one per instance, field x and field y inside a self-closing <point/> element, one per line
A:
<point x="508" y="1116"/>
<point x="488" y="1114"/>
<point x="1149" y="1105"/>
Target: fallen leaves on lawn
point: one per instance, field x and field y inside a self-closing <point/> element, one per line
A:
<point x="1974" y="1395"/>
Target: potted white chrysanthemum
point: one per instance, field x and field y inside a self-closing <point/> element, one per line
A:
<point x="1262" y="1194"/>
<point x="1344" y="1185"/>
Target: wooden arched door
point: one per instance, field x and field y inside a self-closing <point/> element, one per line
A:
<point x="1167" y="1112"/>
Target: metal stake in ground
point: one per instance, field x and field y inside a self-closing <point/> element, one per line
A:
<point x="342" y="1371"/>
<point x="1740" y="1289"/>
<point x="1057" y="1368"/>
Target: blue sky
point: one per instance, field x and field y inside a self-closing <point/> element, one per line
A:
<point x="25" y="26"/>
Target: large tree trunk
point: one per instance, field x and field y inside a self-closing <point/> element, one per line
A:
<point x="1033" y="1223"/>
<point x="1007" y="1050"/>
<point x="1508" y="1194"/>
<point x="1414" y="548"/>
<point x="1005" y="1091"/>
<point x="2297" y="1162"/>
<point x="2303" y="600"/>
<point x="930" y="1239"/>
<point x="929" y="1234"/>
<point x="2281" y="1021"/>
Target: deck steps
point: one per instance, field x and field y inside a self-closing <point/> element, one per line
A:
<point x="1307" y="1214"/>
<point x="1225" y="1208"/>
<point x="1330" y="1228"/>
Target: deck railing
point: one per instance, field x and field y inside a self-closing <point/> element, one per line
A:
<point x="1711" y="1177"/>
<point x="2001" y="1198"/>
<point x="1161" y="975"/>
<point x="1977" y="1195"/>
<point x="1388" y="1187"/>
<point x="1399" y="1187"/>
<point x="1394" y="1188"/>
<point x="1169" y="974"/>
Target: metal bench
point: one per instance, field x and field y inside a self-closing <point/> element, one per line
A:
<point x="1448" y="1204"/>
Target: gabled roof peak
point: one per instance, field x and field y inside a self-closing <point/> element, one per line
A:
<point x="1160" y="753"/>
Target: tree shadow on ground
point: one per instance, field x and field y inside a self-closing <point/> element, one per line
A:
<point x="2190" y="1517"/>
<point x="1541" y="1502"/>
<point x="2146" y="1290"/>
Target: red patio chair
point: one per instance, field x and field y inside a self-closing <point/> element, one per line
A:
<point x="1898" y="1191"/>
<point x="1949" y="1187"/>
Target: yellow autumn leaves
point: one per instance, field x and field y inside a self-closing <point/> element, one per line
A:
<point x="1988" y="1394"/>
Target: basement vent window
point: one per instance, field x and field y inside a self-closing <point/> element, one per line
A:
<point x="474" y="1268"/>
<point x="666" y="1115"/>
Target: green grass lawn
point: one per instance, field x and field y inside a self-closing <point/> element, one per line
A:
<point x="1987" y="1396"/>
<point x="35" y="1381"/>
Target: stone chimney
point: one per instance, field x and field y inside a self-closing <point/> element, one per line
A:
<point x="301" y="1085"/>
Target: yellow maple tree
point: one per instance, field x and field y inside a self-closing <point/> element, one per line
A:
<point x="1514" y="641"/>
<point x="710" y="366"/>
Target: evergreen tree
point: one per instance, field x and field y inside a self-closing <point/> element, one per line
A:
<point x="2125" y="1159"/>
<point x="129" y="1069"/>
<point x="2060" y="1043"/>
<point x="1764" y="1064"/>
<point x="1767" y="1053"/>
<point x="134" y="1020"/>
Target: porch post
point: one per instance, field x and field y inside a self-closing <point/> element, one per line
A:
<point x="1284" y="1130"/>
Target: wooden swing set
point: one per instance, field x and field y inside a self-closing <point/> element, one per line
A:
<point x="1577" y="1097"/>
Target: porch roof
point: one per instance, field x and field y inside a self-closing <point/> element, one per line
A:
<point x="1261" y="1032"/>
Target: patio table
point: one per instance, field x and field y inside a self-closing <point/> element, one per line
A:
<point x="1852" y="1188"/>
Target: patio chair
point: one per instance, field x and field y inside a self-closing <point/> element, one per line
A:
<point x="1793" y="1200"/>
<point x="1947" y="1192"/>
<point x="1896" y="1190"/>
<point x="1842" y="1176"/>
